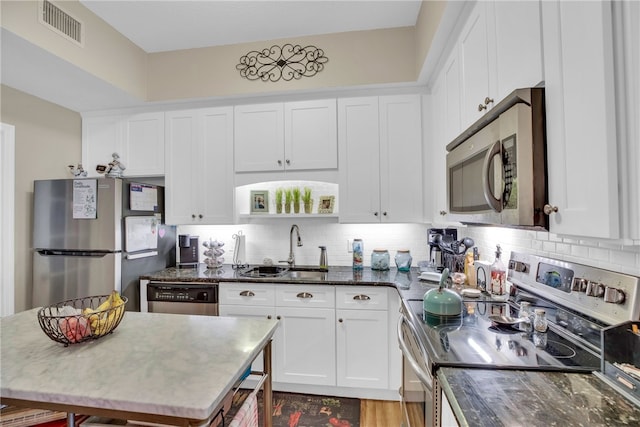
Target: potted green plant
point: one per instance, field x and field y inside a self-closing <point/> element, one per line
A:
<point x="296" y="199"/>
<point x="279" y="197"/>
<point x="288" y="199"/>
<point x="307" y="201"/>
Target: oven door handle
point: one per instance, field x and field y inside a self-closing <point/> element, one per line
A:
<point x="424" y="377"/>
<point x="495" y="204"/>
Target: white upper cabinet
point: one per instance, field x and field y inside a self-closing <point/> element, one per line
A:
<point x="380" y="147"/>
<point x="290" y="136"/>
<point x="199" y="174"/>
<point x="500" y="51"/>
<point x="581" y="121"/>
<point x="138" y="139"/>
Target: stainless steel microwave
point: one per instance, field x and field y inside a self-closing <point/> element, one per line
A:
<point x="496" y="169"/>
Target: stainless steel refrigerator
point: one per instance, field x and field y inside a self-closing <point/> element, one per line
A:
<point x="91" y="236"/>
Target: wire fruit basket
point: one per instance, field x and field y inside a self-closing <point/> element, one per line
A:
<point x="82" y="319"/>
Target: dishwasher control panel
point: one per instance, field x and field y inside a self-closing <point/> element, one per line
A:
<point x="182" y="293"/>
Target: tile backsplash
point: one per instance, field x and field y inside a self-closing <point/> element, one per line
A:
<point x="270" y="239"/>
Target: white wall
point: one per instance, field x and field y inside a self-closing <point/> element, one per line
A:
<point x="597" y="253"/>
<point x="271" y="239"/>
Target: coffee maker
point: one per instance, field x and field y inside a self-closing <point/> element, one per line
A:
<point x="435" y="236"/>
<point x="188" y="251"/>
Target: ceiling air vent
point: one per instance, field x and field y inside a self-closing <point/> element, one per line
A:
<point x="61" y="22"/>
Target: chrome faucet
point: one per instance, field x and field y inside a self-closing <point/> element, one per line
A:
<point x="292" y="259"/>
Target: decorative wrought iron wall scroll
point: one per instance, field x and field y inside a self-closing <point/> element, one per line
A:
<point x="287" y="62"/>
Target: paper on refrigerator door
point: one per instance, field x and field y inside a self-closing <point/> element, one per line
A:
<point x="141" y="233"/>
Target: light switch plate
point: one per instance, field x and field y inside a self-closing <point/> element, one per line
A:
<point x="349" y="246"/>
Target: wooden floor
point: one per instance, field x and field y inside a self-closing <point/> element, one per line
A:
<point x="380" y="413"/>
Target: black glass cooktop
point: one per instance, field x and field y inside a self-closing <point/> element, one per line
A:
<point x="472" y="340"/>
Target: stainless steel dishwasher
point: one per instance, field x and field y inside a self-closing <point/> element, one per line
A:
<point x="183" y="298"/>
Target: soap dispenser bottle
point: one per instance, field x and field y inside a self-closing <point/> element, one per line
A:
<point x="498" y="275"/>
<point x="323" y="257"/>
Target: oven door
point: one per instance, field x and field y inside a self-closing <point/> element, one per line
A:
<point x="417" y="382"/>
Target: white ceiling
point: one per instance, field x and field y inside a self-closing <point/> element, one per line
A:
<point x="157" y="26"/>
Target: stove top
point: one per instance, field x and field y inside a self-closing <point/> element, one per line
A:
<point x="472" y="340"/>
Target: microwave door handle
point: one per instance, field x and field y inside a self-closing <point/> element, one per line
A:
<point x="495" y="204"/>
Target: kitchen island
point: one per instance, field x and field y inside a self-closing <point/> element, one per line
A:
<point x="162" y="368"/>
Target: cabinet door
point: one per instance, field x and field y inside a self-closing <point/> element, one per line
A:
<point x="362" y="348"/>
<point x="101" y="137"/>
<point x="310" y="135"/>
<point x="518" y="45"/>
<point x="474" y="57"/>
<point x="306" y="346"/>
<point x="401" y="159"/>
<point x="359" y="148"/>
<point x="143" y="146"/>
<point x="580" y="113"/>
<point x="181" y="178"/>
<point x="259" y="137"/>
<point x="215" y="185"/>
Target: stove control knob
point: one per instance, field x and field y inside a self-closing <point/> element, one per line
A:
<point x="579" y="285"/>
<point x="614" y="296"/>
<point x="592" y="289"/>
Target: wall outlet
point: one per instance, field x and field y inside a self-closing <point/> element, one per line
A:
<point x="349" y="246"/>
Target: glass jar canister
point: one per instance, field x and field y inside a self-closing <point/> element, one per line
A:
<point x="403" y="260"/>
<point x="380" y="259"/>
<point x="540" y="320"/>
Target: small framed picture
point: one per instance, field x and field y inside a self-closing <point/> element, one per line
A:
<point x="259" y="201"/>
<point x="325" y="205"/>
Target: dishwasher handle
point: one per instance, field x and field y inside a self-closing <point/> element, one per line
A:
<point x="423" y="376"/>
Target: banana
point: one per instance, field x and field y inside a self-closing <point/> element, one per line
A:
<point x="101" y="322"/>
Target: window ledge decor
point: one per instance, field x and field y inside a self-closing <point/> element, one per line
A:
<point x="287" y="62"/>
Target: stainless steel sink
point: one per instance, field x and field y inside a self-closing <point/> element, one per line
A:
<point x="306" y="275"/>
<point x="265" y="271"/>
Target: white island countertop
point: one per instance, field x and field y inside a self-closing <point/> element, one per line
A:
<point x="153" y="366"/>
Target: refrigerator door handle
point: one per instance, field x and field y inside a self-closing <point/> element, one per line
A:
<point x="57" y="252"/>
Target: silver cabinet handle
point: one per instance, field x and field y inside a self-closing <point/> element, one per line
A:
<point x="340" y="320"/>
<point x="481" y="107"/>
<point x="247" y="294"/>
<point x="548" y="209"/>
<point x="361" y="297"/>
<point x="488" y="101"/>
<point x="279" y="162"/>
<point x="200" y="216"/>
<point x="269" y="317"/>
<point x="278" y="317"/>
<point x="304" y="295"/>
<point x="384" y="214"/>
<point x="193" y="216"/>
<point x="443" y="213"/>
<point x="375" y="213"/>
<point x="288" y="161"/>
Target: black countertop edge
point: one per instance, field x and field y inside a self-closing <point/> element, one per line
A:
<point x="342" y="275"/>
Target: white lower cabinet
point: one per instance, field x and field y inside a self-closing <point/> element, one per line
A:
<point x="328" y="336"/>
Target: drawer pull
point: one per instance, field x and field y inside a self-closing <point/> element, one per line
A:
<point x="361" y="297"/>
<point x="247" y="294"/>
<point x="304" y="295"/>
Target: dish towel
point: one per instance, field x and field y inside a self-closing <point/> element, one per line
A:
<point x="247" y="415"/>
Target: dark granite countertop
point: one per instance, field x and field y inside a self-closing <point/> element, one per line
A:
<point x="483" y="397"/>
<point x="345" y="275"/>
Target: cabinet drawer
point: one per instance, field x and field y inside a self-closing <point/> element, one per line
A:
<point x="247" y="293"/>
<point x="362" y="297"/>
<point x="305" y="296"/>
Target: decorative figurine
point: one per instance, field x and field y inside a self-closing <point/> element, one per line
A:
<point x="114" y="169"/>
<point x="77" y="171"/>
